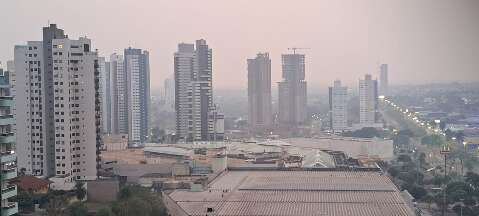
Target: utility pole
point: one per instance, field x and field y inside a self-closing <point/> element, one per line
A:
<point x="445" y="151"/>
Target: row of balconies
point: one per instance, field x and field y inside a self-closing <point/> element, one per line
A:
<point x="7" y="138"/>
<point x="9" y="191"/>
<point x="10" y="209"/>
<point x="9" y="172"/>
<point x="6" y="157"/>
<point x="7" y="119"/>
<point x="6" y="101"/>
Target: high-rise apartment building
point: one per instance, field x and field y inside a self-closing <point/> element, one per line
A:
<point x="8" y="158"/>
<point x="104" y="90"/>
<point x="338" y="106"/>
<point x="259" y="93"/>
<point x="169" y="94"/>
<point x="137" y="71"/>
<point x="368" y="95"/>
<point x="292" y="91"/>
<point x="13" y="80"/>
<point x="58" y="108"/>
<point x="383" y="80"/>
<point x="118" y="105"/>
<point x="194" y="107"/>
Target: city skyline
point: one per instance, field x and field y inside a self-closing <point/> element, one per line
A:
<point x="346" y="40"/>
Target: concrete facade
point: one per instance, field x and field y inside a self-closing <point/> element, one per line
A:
<point x="8" y="158"/>
<point x="292" y="91"/>
<point x="260" y="116"/>
<point x="196" y="114"/>
<point x="137" y="70"/>
<point x="338" y="106"/>
<point x="368" y="99"/>
<point x="58" y="107"/>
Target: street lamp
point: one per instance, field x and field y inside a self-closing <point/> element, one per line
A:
<point x="464" y="158"/>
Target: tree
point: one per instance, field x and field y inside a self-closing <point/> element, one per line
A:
<point x="412" y="177"/>
<point x="434" y="140"/>
<point x="401" y="139"/>
<point x="366" y="132"/>
<point x="393" y="171"/>
<point x="25" y="201"/>
<point x="157" y="135"/>
<point x="80" y="191"/>
<point x="437" y="180"/>
<point x="404" y="158"/>
<point x="473" y="180"/>
<point x="422" y="159"/>
<point x="104" y="212"/>
<point x="442" y="125"/>
<point x="417" y="192"/>
<point x="22" y="172"/>
<point x="406" y="132"/>
<point x="429" y="199"/>
<point x="77" y="209"/>
<point x="139" y="200"/>
<point x="56" y="206"/>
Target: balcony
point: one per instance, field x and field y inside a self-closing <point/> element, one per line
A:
<point x="7" y="157"/>
<point x="9" y="209"/>
<point x="6" y="101"/>
<point x="7" y="138"/>
<point x="9" y="173"/>
<point x="9" y="192"/>
<point x="7" y="120"/>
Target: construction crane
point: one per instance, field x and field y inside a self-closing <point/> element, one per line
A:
<point x="297" y="48"/>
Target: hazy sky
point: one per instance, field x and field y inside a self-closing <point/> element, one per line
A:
<point x="422" y="40"/>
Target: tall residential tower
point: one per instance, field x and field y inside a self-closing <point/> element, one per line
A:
<point x="58" y="108"/>
<point x="196" y="116"/>
<point x="118" y="107"/>
<point x="292" y="91"/>
<point x="259" y="93"/>
<point x="383" y="80"/>
<point x="137" y="71"/>
<point x="368" y="95"/>
<point x="8" y="158"/>
<point x="338" y="106"/>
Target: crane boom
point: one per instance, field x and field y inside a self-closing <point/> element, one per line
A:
<point x="297" y="48"/>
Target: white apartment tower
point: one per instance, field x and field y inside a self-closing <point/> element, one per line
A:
<point x="118" y="108"/>
<point x="260" y="116"/>
<point x="195" y="113"/>
<point x="338" y="106"/>
<point x="104" y="74"/>
<point x="368" y="94"/>
<point x="58" y="107"/>
<point x="383" y="80"/>
<point x="137" y="71"/>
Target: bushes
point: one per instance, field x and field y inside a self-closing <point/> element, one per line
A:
<point x="434" y="140"/>
<point x="367" y="132"/>
<point x="138" y="201"/>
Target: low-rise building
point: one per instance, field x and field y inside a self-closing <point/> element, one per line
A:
<point x="32" y="184"/>
<point x="115" y="142"/>
<point x="288" y="192"/>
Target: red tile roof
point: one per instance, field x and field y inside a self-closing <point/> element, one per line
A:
<point x="31" y="183"/>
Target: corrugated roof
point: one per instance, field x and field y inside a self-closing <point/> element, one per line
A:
<point x="169" y="150"/>
<point x="296" y="193"/>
